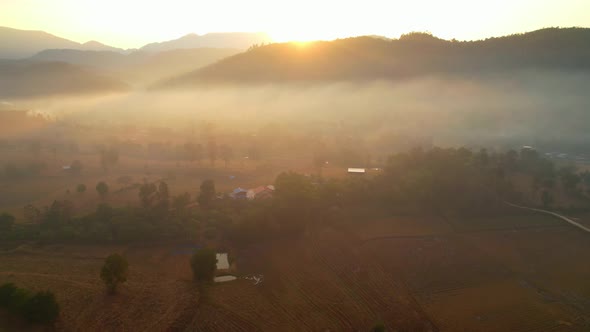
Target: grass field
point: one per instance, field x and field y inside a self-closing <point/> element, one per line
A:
<point x="526" y="274"/>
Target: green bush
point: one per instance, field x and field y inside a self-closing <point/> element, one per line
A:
<point x="6" y="222"/>
<point x="114" y="271"/>
<point x="6" y="294"/>
<point x="39" y="308"/>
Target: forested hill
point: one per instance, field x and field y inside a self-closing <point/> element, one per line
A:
<point x="415" y="54"/>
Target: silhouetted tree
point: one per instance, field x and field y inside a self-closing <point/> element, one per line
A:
<point x="103" y="189"/>
<point x="227" y="154"/>
<point x="378" y="328"/>
<point x="114" y="271"/>
<point x="204" y="264"/>
<point x="212" y="150"/>
<point x="41" y="308"/>
<point x="32" y="214"/>
<point x="147" y="194"/>
<point x="81" y="188"/>
<point x="207" y="193"/>
<point x="546" y="198"/>
<point x="6" y="222"/>
<point x="181" y="201"/>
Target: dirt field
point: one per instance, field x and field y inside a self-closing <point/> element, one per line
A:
<point x="526" y="273"/>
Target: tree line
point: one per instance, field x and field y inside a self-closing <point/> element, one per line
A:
<point x="418" y="182"/>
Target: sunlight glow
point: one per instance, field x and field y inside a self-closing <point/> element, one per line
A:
<point x="133" y="23"/>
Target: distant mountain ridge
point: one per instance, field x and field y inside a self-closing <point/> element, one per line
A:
<point x="18" y="44"/>
<point x="22" y="79"/>
<point x="414" y="54"/>
<point x="236" y="40"/>
<point x="138" y="67"/>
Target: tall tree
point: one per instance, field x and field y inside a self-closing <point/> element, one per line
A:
<point x="114" y="271"/>
<point x="103" y="189"/>
<point x="212" y="150"/>
<point x="204" y="264"/>
<point x="207" y="194"/>
<point x="6" y="222"/>
<point x="227" y="154"/>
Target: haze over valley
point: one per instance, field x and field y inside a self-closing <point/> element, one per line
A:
<point x="338" y="172"/>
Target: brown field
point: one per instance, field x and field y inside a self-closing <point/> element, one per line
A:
<point x="54" y="184"/>
<point x="525" y="273"/>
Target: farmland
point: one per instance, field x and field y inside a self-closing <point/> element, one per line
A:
<point x="528" y="274"/>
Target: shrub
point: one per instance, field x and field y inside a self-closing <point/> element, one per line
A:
<point x="41" y="308"/>
<point x="378" y="328"/>
<point x="114" y="271"/>
<point x="7" y="292"/>
<point x="103" y="189"/>
<point x="6" y="222"/>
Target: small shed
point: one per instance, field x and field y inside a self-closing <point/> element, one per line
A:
<point x="222" y="261"/>
<point x="261" y="192"/>
<point x="239" y="193"/>
<point x="353" y="170"/>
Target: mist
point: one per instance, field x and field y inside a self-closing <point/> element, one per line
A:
<point x="522" y="108"/>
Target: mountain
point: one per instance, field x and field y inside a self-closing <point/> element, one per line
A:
<point x="155" y="67"/>
<point x="96" y="59"/>
<point x="20" y="79"/>
<point x="139" y="67"/>
<point x="235" y="40"/>
<point x="17" y="44"/>
<point x="415" y="54"/>
<point x="97" y="46"/>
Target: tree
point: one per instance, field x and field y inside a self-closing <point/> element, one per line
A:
<point x="163" y="191"/>
<point x="207" y="194"/>
<point x="204" y="264"/>
<point x="7" y="292"/>
<point x="212" y="150"/>
<point x="147" y="194"/>
<point x="32" y="214"/>
<point x="6" y="222"/>
<point x="569" y="179"/>
<point x="227" y="154"/>
<point x="13" y="298"/>
<point x="181" y="201"/>
<point x="41" y="308"/>
<point x="103" y="189"/>
<point x="114" y="272"/>
<point x="59" y="213"/>
<point x="378" y="328"/>
<point x="76" y="167"/>
<point x="104" y="213"/>
<point x="546" y="198"/>
<point x="81" y="188"/>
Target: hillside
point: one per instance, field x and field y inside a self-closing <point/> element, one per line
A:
<point x="416" y="54"/>
<point x="236" y="40"/>
<point x="27" y="79"/>
<point x="17" y="44"/>
<point x="139" y="67"/>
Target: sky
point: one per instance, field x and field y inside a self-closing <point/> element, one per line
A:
<point x="134" y="23"/>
